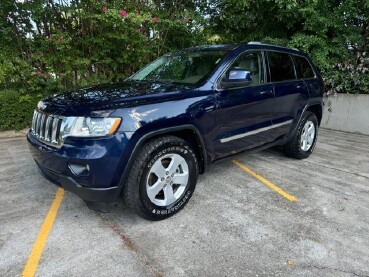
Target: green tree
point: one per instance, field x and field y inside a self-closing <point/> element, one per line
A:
<point x="57" y="44"/>
<point x="333" y="32"/>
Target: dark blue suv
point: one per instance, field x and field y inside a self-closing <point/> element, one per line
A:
<point x="147" y="138"/>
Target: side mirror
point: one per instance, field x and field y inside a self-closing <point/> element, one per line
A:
<point x="237" y="78"/>
<point x="239" y="75"/>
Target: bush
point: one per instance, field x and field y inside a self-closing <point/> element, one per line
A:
<point x="84" y="43"/>
<point x="88" y="42"/>
<point x="349" y="76"/>
<point x="16" y="109"/>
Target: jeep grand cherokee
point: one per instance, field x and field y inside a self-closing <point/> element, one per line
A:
<point x="146" y="139"/>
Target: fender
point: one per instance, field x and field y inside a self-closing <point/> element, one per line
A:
<point x="149" y="135"/>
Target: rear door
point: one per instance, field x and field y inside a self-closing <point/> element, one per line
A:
<point x="290" y="92"/>
<point x="244" y="114"/>
<point x="305" y="71"/>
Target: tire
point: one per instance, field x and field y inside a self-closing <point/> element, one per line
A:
<point x="303" y="142"/>
<point x="151" y="189"/>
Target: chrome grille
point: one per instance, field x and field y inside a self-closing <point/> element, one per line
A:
<point x="46" y="128"/>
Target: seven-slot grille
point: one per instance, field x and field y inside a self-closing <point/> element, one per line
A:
<point x="46" y="128"/>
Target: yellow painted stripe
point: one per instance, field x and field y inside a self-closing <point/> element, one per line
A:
<point x="38" y="246"/>
<point x="265" y="181"/>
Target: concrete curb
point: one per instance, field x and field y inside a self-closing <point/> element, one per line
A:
<point x="14" y="134"/>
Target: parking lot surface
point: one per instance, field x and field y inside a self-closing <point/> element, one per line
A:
<point x="234" y="225"/>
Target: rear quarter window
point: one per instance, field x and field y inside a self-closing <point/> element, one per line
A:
<point x="281" y="67"/>
<point x="303" y="68"/>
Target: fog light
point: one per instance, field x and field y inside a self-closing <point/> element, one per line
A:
<point x="80" y="170"/>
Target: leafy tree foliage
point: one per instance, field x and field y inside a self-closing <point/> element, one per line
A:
<point x="52" y="45"/>
<point x="334" y="32"/>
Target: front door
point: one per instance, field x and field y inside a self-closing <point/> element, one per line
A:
<point x="244" y="114"/>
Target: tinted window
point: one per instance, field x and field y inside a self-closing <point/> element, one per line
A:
<point x="253" y="63"/>
<point x="303" y="68"/>
<point x="281" y="67"/>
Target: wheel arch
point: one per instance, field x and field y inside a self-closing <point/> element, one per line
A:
<point x="317" y="109"/>
<point x="194" y="138"/>
<point x="187" y="132"/>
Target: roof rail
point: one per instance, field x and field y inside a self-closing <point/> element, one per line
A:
<point x="259" y="43"/>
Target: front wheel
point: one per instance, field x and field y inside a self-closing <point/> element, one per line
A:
<point x="303" y="142"/>
<point x="162" y="178"/>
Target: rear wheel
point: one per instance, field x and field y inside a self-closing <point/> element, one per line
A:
<point x="162" y="178"/>
<point x="303" y="142"/>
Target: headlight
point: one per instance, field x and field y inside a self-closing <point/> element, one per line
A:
<point x="88" y="126"/>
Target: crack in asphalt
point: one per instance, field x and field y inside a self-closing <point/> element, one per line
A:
<point x="337" y="269"/>
<point x="338" y="169"/>
<point x="140" y="255"/>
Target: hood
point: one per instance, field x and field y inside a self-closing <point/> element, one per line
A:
<point x="84" y="101"/>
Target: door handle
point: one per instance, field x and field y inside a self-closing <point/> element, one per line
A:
<point x="266" y="92"/>
<point x="209" y="108"/>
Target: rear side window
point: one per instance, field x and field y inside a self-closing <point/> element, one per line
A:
<point x="281" y="67"/>
<point x="303" y="68"/>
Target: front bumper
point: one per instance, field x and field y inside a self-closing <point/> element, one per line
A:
<point x="97" y="199"/>
<point x="101" y="187"/>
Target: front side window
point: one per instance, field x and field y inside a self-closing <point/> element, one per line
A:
<point x="186" y="67"/>
<point x="253" y="64"/>
<point x="303" y="67"/>
<point x="281" y="67"/>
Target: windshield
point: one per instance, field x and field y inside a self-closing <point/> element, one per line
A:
<point x="189" y="67"/>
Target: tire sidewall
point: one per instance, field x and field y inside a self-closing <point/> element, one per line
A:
<point x="308" y="117"/>
<point x="168" y="148"/>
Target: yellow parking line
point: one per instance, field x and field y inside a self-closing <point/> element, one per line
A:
<point x="265" y="181"/>
<point x="38" y="246"/>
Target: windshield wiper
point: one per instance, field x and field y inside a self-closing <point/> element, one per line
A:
<point x="154" y="82"/>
